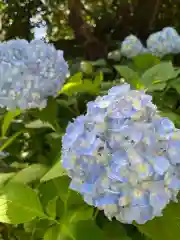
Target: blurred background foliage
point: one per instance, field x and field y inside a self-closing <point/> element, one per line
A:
<point x="87" y="29"/>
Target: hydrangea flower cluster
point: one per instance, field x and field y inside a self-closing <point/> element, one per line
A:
<point x="123" y="157"/>
<point x="132" y="46"/>
<point x="164" y="42"/>
<point x="159" y="44"/>
<point x="29" y="73"/>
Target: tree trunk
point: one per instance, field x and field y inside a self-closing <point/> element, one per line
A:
<point x="94" y="48"/>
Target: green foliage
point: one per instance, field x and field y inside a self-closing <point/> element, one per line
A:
<point x="35" y="200"/>
<point x="159" y="73"/>
<point x="129" y="75"/>
<point x="77" y="84"/>
<point x="114" y="230"/>
<point x="30" y="174"/>
<point x="54" y="172"/>
<point x="19" y="204"/>
<point x="145" y="61"/>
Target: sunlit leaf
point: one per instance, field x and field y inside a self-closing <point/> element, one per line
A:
<point x="30" y="174"/>
<point x="54" y="172"/>
<point x="5" y="176"/>
<point x="157" y="87"/>
<point x="129" y="75"/>
<point x="78" y="214"/>
<point x="76" y="87"/>
<point x="76" y="77"/>
<point x="159" y="73"/>
<point x="52" y="233"/>
<point x="10" y="140"/>
<point x="19" y="204"/>
<point x="98" y="79"/>
<point x="39" y="124"/>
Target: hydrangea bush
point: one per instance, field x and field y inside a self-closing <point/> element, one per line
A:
<point x="164" y="42"/>
<point x="94" y="158"/>
<point x="29" y="73"/>
<point x="123" y="157"/>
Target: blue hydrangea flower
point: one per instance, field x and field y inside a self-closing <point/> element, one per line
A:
<point x="132" y="46"/>
<point x="164" y="42"/>
<point x="123" y="157"/>
<point x="29" y="73"/>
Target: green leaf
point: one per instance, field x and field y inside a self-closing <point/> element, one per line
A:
<point x="127" y="72"/>
<point x="5" y="177"/>
<point x="115" y="230"/>
<point x="79" y="214"/>
<point x="134" y="234"/>
<point x="52" y="233"/>
<point x="36" y="228"/>
<point x="166" y="227"/>
<point x="98" y="79"/>
<point x="129" y="75"/>
<point x="9" y="116"/>
<point x="19" y="204"/>
<point x="159" y="73"/>
<point x="77" y="87"/>
<point x="85" y="85"/>
<point x="76" y="77"/>
<point x="10" y="140"/>
<point x="51" y="208"/>
<point x="54" y="172"/>
<point x="71" y="220"/>
<point x="55" y="233"/>
<point x="50" y="188"/>
<point x="145" y="61"/>
<point x="21" y="234"/>
<point x="166" y="100"/>
<point x="176" y="84"/>
<point x="157" y="87"/>
<point x="55" y="187"/>
<point x="85" y="230"/>
<point x="66" y="105"/>
<point x="39" y="124"/>
<point x="71" y="87"/>
<point x="49" y="113"/>
<point x="30" y="174"/>
<point x="62" y="187"/>
<point x="74" y="200"/>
